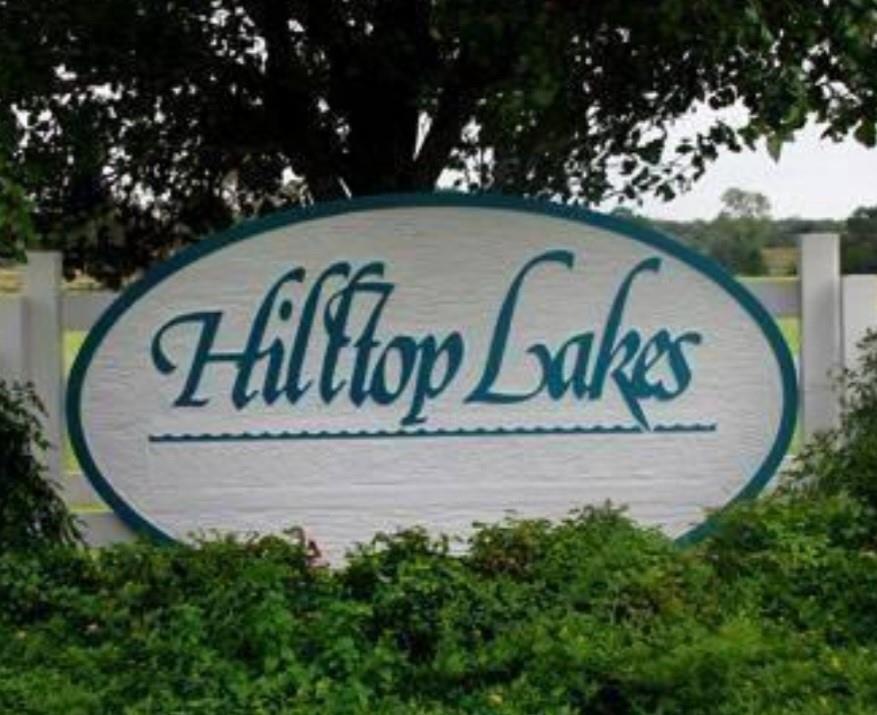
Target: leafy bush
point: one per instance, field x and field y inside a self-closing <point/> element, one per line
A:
<point x="16" y="227"/>
<point x="31" y="512"/>
<point x="597" y="616"/>
<point x="589" y="615"/>
<point x="775" y="613"/>
<point x="845" y="460"/>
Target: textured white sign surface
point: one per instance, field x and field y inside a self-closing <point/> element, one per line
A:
<point x="429" y="360"/>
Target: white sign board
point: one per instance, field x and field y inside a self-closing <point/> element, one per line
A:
<point x="433" y="360"/>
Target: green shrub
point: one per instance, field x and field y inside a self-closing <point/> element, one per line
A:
<point x="587" y="615"/>
<point x="775" y="613"/>
<point x="845" y="460"/>
<point x="31" y="512"/>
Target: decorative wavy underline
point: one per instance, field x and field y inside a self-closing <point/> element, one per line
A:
<point x="423" y="432"/>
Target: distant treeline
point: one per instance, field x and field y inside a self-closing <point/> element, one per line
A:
<point x="748" y="241"/>
<point x="767" y="249"/>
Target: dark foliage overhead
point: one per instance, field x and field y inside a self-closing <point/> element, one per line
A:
<point x="138" y="126"/>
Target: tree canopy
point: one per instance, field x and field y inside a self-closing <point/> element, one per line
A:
<point x="740" y="204"/>
<point x="736" y="237"/>
<point x="136" y="127"/>
<point x="859" y="241"/>
<point x="740" y="232"/>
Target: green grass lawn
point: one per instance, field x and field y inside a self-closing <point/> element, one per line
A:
<point x="72" y="342"/>
<point x="791" y="329"/>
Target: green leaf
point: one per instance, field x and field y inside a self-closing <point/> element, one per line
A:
<point x="775" y="146"/>
<point x="866" y="133"/>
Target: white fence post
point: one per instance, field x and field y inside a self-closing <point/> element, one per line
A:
<point x="859" y="314"/>
<point x="821" y="345"/>
<point x="43" y="345"/>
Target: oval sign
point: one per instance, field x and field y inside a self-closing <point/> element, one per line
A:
<point x="429" y="359"/>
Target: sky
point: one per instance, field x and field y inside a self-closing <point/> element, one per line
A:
<point x="814" y="178"/>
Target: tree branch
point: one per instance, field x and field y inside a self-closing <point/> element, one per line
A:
<point x="292" y="106"/>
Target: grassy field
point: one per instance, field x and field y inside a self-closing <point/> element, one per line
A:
<point x="780" y="261"/>
<point x="791" y="329"/>
<point x="72" y="342"/>
<point x="10" y="281"/>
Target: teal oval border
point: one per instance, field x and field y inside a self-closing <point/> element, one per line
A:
<point x="249" y="229"/>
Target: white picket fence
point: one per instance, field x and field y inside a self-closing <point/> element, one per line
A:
<point x="835" y="312"/>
